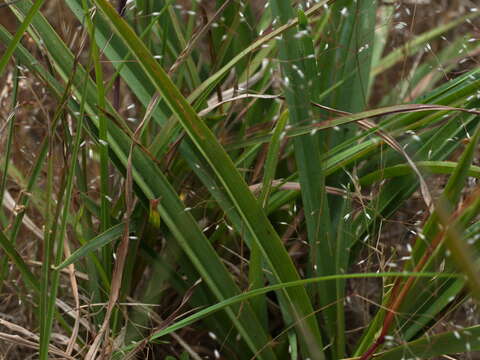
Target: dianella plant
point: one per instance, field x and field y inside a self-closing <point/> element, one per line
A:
<point x="240" y="179"/>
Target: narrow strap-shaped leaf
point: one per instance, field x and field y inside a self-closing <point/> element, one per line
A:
<point x="96" y="243"/>
<point x="15" y="257"/>
<point x="297" y="86"/>
<point x="154" y="185"/>
<point x="19" y="34"/>
<point x="414" y="45"/>
<point x="351" y="24"/>
<point x="249" y="294"/>
<point x="458" y="341"/>
<point x="258" y="225"/>
<point x="434" y="167"/>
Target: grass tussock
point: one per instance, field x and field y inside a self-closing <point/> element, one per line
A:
<point x="239" y="180"/>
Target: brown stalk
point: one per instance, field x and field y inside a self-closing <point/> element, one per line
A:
<point x="295" y="186"/>
<point x="76" y="298"/>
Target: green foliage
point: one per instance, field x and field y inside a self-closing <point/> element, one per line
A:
<point x="244" y="196"/>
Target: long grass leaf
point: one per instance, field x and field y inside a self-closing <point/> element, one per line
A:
<point x="259" y="226"/>
<point x="96" y="243"/>
<point x="247" y="295"/>
<point x="12" y="45"/>
<point x="154" y="185"/>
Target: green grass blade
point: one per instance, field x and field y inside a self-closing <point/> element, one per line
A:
<point x="15" y="257"/>
<point x="459" y="248"/>
<point x="205" y="88"/>
<point x="272" y="158"/>
<point x="352" y="25"/>
<point x="102" y="133"/>
<point x="248" y="295"/>
<point x="96" y="243"/>
<point x="255" y="274"/>
<point x="298" y="94"/>
<point x="12" y="45"/>
<point x="453" y="342"/>
<point x="259" y="227"/>
<point x="417" y="43"/>
<point x="154" y="185"/>
<point x="433" y="167"/>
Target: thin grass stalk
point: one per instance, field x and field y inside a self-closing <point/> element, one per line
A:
<point x="10" y="128"/>
<point x="46" y="319"/>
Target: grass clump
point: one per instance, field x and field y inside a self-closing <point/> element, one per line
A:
<point x="239" y="180"/>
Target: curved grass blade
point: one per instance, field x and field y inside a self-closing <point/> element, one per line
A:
<point x="258" y="225"/>
<point x="342" y="120"/>
<point x="453" y="342"/>
<point x="414" y="45"/>
<point x="408" y="294"/>
<point x="15" y="257"/>
<point x="296" y="74"/>
<point x="433" y="167"/>
<point x="249" y="294"/>
<point x="12" y="45"/>
<point x="154" y="185"/>
<point x="96" y="243"/>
